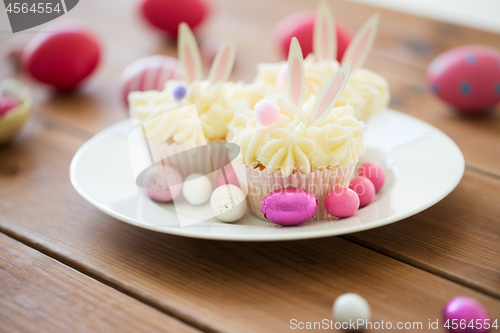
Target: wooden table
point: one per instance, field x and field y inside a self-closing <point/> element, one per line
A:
<point x="66" y="267"/>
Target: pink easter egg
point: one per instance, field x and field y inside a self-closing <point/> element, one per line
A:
<point x="289" y="206"/>
<point x="166" y="15"/>
<point x="466" y="315"/>
<point x="149" y="73"/>
<point x="156" y="183"/>
<point x="7" y="103"/>
<point x="467" y="77"/>
<point x="266" y="112"/>
<point x="231" y="177"/>
<point x="364" y="189"/>
<point x="64" y="57"/>
<point x="342" y="202"/>
<point x="374" y="172"/>
<point x="301" y="25"/>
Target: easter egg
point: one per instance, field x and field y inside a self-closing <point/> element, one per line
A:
<point x="290" y="206"/>
<point x="301" y="25"/>
<point x="342" y="202"/>
<point x="149" y="73"/>
<point x="156" y="183"/>
<point x="228" y="203"/>
<point x="64" y="57"/>
<point x="230" y="175"/>
<point x="166" y="15"/>
<point x="351" y="308"/>
<point x="365" y="190"/>
<point x="374" y="172"/>
<point x="467" y="77"/>
<point x="463" y="310"/>
<point x="197" y="189"/>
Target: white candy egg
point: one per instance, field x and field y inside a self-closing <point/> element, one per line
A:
<point x="228" y="203"/>
<point x="197" y="189"/>
<point x="351" y="307"/>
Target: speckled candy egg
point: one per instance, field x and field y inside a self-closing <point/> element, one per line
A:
<point x="156" y="184"/>
<point x="228" y="203"/>
<point x="166" y="15"/>
<point x="64" y="57"/>
<point x="301" y="25"/>
<point x="464" y="310"/>
<point x="468" y="77"/>
<point x="290" y="206"/>
<point x="148" y="73"/>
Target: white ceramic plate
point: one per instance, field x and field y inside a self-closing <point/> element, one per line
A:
<point x="423" y="166"/>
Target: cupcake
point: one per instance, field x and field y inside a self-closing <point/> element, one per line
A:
<point x="310" y="145"/>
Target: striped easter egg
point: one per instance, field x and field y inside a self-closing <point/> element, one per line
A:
<point x="468" y="77"/>
<point x="149" y="73"/>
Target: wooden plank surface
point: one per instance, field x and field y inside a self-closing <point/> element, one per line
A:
<point x="215" y="286"/>
<point x="39" y="294"/>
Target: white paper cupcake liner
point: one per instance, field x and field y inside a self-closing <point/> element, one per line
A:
<point x="259" y="183"/>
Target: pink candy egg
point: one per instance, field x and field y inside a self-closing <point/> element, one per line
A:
<point x="364" y="189"/>
<point x="301" y="25"/>
<point x="168" y="14"/>
<point x="7" y="103"/>
<point x="231" y="178"/>
<point x="156" y="183"/>
<point x="342" y="202"/>
<point x="467" y="77"/>
<point x="374" y="172"/>
<point x="461" y="311"/>
<point x="290" y="206"/>
<point x="148" y="73"/>
<point x="63" y="58"/>
<point x="266" y="112"/>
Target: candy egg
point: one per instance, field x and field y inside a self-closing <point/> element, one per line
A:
<point x="231" y="177"/>
<point x="156" y="183"/>
<point x="63" y="58"/>
<point x="7" y="103"/>
<point x="465" y="309"/>
<point x="351" y="308"/>
<point x="197" y="189"/>
<point x="374" y="172"/>
<point x="467" y="77"/>
<point x="228" y="203"/>
<point x="364" y="189"/>
<point x="15" y="105"/>
<point x="168" y="14"/>
<point x="342" y="202"/>
<point x="149" y="73"/>
<point x="290" y="206"/>
<point x="266" y="112"/>
<point x="301" y="25"/>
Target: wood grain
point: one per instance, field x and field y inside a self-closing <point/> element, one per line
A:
<point x="39" y="294"/>
<point x="215" y="286"/>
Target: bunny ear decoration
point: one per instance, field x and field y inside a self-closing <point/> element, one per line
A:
<point x="325" y="34"/>
<point x="330" y="94"/>
<point x="223" y="61"/>
<point x="358" y="49"/>
<point x="189" y="54"/>
<point x="296" y="74"/>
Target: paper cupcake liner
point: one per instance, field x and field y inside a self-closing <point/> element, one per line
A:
<point x="259" y="183"/>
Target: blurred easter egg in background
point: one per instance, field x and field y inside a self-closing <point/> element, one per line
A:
<point x="166" y="15"/>
<point x="13" y="48"/>
<point x="468" y="77"/>
<point x="301" y="25"/>
<point x="148" y="73"/>
<point x="64" y="57"/>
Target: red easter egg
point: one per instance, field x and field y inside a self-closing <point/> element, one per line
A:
<point x="63" y="58"/>
<point x="301" y="25"/>
<point x="467" y="77"/>
<point x="149" y="73"/>
<point x="168" y="14"/>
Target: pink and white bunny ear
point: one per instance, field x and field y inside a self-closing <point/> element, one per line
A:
<point x="330" y="94"/>
<point x="325" y="34"/>
<point x="358" y="49"/>
<point x="223" y="61"/>
<point x="189" y="54"/>
<point x="296" y="74"/>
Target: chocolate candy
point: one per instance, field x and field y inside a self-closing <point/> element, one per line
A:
<point x="364" y="189"/>
<point x="197" y="189"/>
<point x="464" y="310"/>
<point x="374" y="172"/>
<point x="290" y="206"/>
<point x="342" y="202"/>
